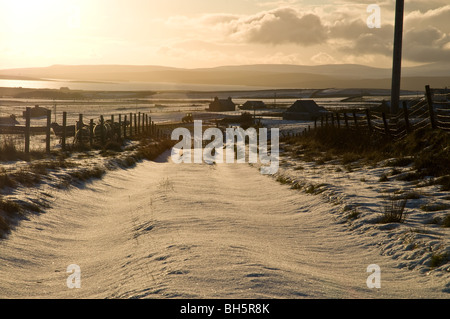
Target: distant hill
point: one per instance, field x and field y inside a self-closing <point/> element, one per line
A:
<point x="263" y="75"/>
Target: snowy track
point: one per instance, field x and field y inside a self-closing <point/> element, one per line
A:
<point x="163" y="230"/>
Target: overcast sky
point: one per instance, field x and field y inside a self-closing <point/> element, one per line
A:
<point x="207" y="33"/>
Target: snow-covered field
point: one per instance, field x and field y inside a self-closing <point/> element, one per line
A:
<point x="165" y="230"/>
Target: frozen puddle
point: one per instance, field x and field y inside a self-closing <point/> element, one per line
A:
<point x="163" y="230"/>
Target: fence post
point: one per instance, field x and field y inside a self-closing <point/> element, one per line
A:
<point x="113" y="129"/>
<point x="150" y="125"/>
<point x="338" y="120"/>
<point x="119" y="133"/>
<point x="369" y="124"/>
<point x="131" y="125"/>
<point x="405" y="113"/>
<point x="139" y="123"/>
<point x="315" y="123"/>
<point x="125" y="127"/>
<point x="27" y="130"/>
<point x="346" y="121"/>
<point x="332" y="119"/>
<point x="91" y="132"/>
<point x="80" y="128"/>
<point x="321" y="121"/>
<point x="64" y="125"/>
<point x="135" y="124"/>
<point x="47" y="132"/>
<point x="355" y="119"/>
<point x="386" y="126"/>
<point x="430" y="106"/>
<point x="102" y="130"/>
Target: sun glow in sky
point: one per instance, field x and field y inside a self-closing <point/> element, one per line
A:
<point x="206" y="33"/>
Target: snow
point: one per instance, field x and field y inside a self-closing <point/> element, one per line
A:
<point x="166" y="230"/>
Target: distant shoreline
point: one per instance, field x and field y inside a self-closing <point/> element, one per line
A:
<point x="69" y="94"/>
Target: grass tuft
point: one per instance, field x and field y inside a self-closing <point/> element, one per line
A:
<point x="393" y="211"/>
<point x="438" y="260"/>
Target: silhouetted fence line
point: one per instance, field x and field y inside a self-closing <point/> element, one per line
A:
<point x="425" y="113"/>
<point x="93" y="133"/>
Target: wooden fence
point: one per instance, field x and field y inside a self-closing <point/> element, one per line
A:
<point x="121" y="126"/>
<point x="425" y="113"/>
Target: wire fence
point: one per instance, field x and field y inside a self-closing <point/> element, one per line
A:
<point x="42" y="135"/>
<point x="431" y="111"/>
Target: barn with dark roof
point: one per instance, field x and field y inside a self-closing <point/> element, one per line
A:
<point x="305" y="110"/>
<point x="253" y="105"/>
<point x="222" y="105"/>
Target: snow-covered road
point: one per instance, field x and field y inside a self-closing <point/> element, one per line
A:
<point x="162" y="230"/>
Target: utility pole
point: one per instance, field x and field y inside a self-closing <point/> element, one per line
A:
<point x="397" y="57"/>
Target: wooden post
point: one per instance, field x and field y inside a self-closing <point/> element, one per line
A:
<point x="79" y="128"/>
<point x="346" y="120"/>
<point x="135" y="124"/>
<point x="326" y="119"/>
<point x="143" y="123"/>
<point x="315" y="123"/>
<point x="139" y="123"/>
<point x="406" y="115"/>
<point x="119" y="133"/>
<point x="332" y="119"/>
<point x="102" y="130"/>
<point x="430" y="106"/>
<point x="321" y="121"/>
<point x="369" y="124"/>
<point x="355" y="119"/>
<point x="131" y="125"/>
<point x="91" y="132"/>
<point x="27" y="130"/>
<point x="125" y="127"/>
<point x="47" y="132"/>
<point x="113" y="129"/>
<point x="63" y="138"/>
<point x="386" y="126"/>
<point x="338" y="120"/>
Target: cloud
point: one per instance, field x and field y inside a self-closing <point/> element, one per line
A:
<point x="279" y="26"/>
<point x="425" y="36"/>
<point x="438" y="18"/>
<point x="426" y="45"/>
<point x="218" y="18"/>
<point x="342" y="33"/>
<point x="279" y="3"/>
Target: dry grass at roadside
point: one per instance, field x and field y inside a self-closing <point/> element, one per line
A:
<point x="71" y="172"/>
<point x="426" y="152"/>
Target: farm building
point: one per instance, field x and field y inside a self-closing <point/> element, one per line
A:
<point x="306" y="110"/>
<point x="253" y="105"/>
<point x="222" y="105"/>
<point x="8" y="121"/>
<point x="37" y="111"/>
